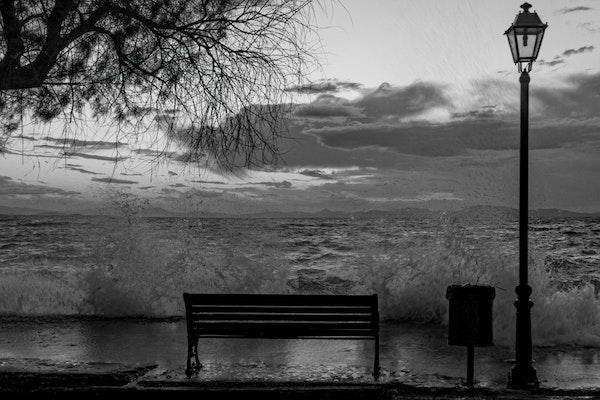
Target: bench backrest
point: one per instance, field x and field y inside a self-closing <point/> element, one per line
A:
<point x="282" y="316"/>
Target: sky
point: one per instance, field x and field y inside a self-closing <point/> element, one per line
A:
<point x="415" y="104"/>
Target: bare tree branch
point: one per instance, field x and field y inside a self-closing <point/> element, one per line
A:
<point x="211" y="63"/>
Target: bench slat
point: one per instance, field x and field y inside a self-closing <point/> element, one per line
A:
<point x="269" y="324"/>
<point x="282" y="309"/>
<point x="276" y="299"/>
<point x="283" y="332"/>
<point x="319" y="336"/>
<point x="284" y="317"/>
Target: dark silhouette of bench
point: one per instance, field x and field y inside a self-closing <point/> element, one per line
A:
<point x="279" y="317"/>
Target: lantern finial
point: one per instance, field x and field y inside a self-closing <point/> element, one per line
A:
<point x="526" y="6"/>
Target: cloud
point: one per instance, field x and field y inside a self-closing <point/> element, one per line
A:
<point x="191" y="193"/>
<point x="573" y="108"/>
<point x="383" y="101"/>
<point x="48" y="146"/>
<point x="211" y="182"/>
<point x="324" y="86"/>
<point x="170" y="191"/>
<point x="563" y="115"/>
<point x="568" y="10"/>
<point x="305" y="151"/>
<point x="155" y="153"/>
<point x="426" y="197"/>
<point x="95" y="157"/>
<point x="252" y="129"/>
<point x="414" y="99"/>
<point x="205" y="194"/>
<point x="315" y="173"/>
<point x="482" y="113"/>
<point x="328" y="106"/>
<point x="8" y="187"/>
<point x="450" y="139"/>
<point x="560" y="59"/>
<point x="83" y="171"/>
<point x="279" y="185"/>
<point x="114" y="180"/>
<point x="589" y="26"/>
<point x="580" y="98"/>
<point x="551" y="63"/>
<point x="32" y="155"/>
<point x="23" y="137"/>
<point x="421" y="140"/>
<point x="95" y="144"/>
<point x="583" y="49"/>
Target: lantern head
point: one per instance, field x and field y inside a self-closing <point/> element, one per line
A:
<point x="525" y="37"/>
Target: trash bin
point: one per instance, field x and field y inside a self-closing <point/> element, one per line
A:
<point x="470" y="319"/>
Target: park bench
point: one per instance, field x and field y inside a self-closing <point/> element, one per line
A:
<point x="277" y="316"/>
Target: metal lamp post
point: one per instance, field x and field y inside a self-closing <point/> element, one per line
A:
<point x="524" y="38"/>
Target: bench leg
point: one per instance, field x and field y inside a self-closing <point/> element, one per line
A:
<point x="188" y="365"/>
<point x="197" y="366"/>
<point x="376" y="362"/>
<point x="192" y="367"/>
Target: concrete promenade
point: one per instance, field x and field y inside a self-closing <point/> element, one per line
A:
<point x="146" y="359"/>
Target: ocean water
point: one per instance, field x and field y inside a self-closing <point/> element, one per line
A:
<point x="120" y="267"/>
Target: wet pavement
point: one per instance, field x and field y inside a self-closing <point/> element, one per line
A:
<point x="151" y="354"/>
<point x="34" y="378"/>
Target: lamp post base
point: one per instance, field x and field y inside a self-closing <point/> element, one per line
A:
<point x="523" y="377"/>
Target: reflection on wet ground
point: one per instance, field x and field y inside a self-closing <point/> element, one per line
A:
<point x="412" y="353"/>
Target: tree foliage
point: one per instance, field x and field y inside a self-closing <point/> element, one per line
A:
<point x="208" y="64"/>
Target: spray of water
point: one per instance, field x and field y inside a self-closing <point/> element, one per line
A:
<point x="138" y="271"/>
<point x="411" y="280"/>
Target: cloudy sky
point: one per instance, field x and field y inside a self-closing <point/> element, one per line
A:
<point x="415" y="104"/>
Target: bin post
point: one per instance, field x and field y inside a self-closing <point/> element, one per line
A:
<point x="470" y="365"/>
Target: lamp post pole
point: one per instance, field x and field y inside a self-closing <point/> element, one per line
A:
<point x="523" y="375"/>
<point x="524" y="36"/>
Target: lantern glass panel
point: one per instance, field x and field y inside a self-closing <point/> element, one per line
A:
<point x="538" y="43"/>
<point x="512" y="42"/>
<point x="526" y="44"/>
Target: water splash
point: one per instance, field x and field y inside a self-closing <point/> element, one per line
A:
<point x="138" y="270"/>
<point x="411" y="280"/>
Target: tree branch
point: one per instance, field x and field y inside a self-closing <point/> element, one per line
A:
<point x="12" y="35"/>
<point x="54" y="43"/>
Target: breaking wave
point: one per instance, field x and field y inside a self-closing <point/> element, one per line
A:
<point x="138" y="272"/>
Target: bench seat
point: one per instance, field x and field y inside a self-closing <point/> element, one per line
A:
<point x="274" y="316"/>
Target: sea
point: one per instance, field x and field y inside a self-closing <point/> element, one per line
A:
<point x="80" y="266"/>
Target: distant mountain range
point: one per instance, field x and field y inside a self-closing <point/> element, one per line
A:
<point x="481" y="211"/>
<point x="148" y="212"/>
<point x="4" y="210"/>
